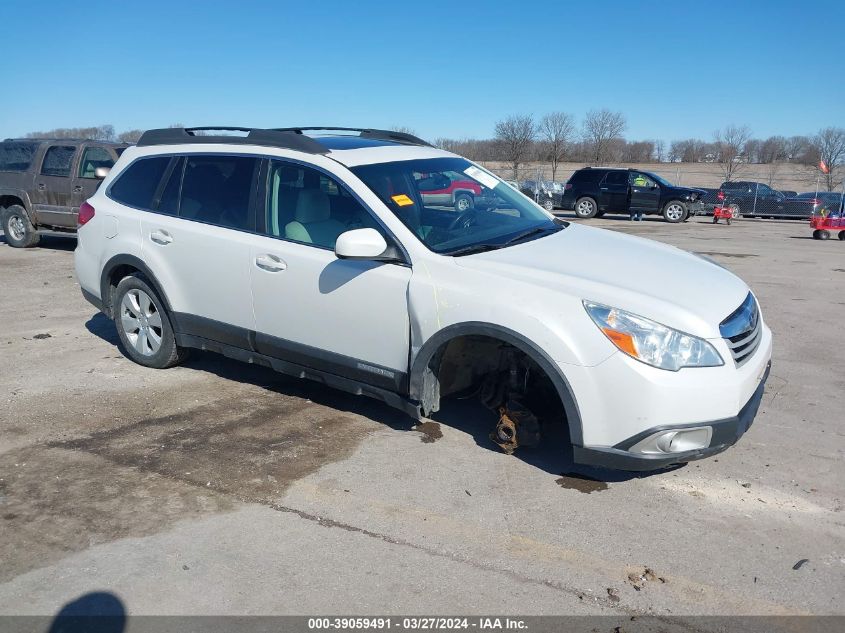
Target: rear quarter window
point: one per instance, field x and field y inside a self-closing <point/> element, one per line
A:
<point x="16" y="156"/>
<point x="587" y="175"/>
<point x="137" y="185"/>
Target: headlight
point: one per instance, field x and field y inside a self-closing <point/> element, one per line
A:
<point x="650" y="342"/>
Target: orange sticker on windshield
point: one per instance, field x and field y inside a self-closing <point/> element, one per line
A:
<point x="402" y="200"/>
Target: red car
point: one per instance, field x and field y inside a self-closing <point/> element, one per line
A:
<point x="459" y="192"/>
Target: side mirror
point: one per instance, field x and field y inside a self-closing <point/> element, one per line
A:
<point x="101" y="172"/>
<point x="363" y="244"/>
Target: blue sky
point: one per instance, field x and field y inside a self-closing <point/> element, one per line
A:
<point x="675" y="69"/>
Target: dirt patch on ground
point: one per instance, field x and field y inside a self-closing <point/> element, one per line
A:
<point x="140" y="478"/>
<point x="430" y="432"/>
<point x="581" y="483"/>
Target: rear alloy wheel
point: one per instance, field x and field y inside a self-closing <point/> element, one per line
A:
<point x="675" y="211"/>
<point x="143" y="325"/>
<point x="18" y="229"/>
<point x="548" y="205"/>
<point x="586" y="208"/>
<point x="463" y="202"/>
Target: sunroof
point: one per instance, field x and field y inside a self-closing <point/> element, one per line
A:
<point x="350" y="142"/>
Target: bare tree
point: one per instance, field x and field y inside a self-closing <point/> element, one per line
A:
<point x="96" y="133"/>
<point x="129" y="136"/>
<point x="660" y="150"/>
<point x="730" y="143"/>
<point x="556" y="130"/>
<point x="402" y="129"/>
<point x="830" y="144"/>
<point x="515" y="136"/>
<point x="600" y="128"/>
<point x="773" y="149"/>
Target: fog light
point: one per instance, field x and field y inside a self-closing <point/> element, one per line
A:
<point x="674" y="441"/>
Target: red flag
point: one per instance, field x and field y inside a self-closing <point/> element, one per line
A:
<point x="823" y="166"/>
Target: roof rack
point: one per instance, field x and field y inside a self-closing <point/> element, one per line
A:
<point x="364" y="132"/>
<point x="255" y="136"/>
<point x="286" y="137"/>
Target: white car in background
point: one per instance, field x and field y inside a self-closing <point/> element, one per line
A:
<point x="312" y="251"/>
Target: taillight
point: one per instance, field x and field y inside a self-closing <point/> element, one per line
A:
<point x="720" y="195"/>
<point x="86" y="212"/>
<point x="567" y="186"/>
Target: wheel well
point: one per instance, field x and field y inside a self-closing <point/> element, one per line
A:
<point x="122" y="266"/>
<point x="8" y="201"/>
<point x="495" y="371"/>
<point x="112" y="279"/>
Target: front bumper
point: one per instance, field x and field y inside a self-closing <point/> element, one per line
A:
<point x="726" y="432"/>
<point x="697" y="208"/>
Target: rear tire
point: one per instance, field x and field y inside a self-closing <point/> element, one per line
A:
<point x="143" y="325"/>
<point x="842" y="236"/>
<point x="586" y="208"/>
<point x="18" y="229"/>
<point x="675" y="211"/>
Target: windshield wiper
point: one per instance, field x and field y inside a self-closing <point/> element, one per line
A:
<point x="521" y="236"/>
<point x="473" y="248"/>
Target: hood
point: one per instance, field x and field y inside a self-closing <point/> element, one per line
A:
<point x="654" y="280"/>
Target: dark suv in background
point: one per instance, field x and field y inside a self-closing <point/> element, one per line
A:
<point x="594" y="191"/>
<point x="44" y="181"/>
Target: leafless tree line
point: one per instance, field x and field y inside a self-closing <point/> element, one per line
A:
<point x="555" y="138"/>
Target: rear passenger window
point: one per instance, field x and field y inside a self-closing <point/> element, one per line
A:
<point x="218" y="190"/>
<point x="16" y="156"/>
<point x="57" y="160"/>
<point x="616" y="178"/>
<point x="137" y="185"/>
<point x="169" y="203"/>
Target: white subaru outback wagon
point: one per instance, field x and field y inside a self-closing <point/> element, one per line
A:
<point x="317" y="252"/>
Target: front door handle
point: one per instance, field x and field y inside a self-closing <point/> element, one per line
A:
<point x="77" y="189"/>
<point x="41" y="186"/>
<point x="270" y="263"/>
<point x="161" y="237"/>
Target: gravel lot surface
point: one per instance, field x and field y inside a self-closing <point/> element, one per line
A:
<point x="223" y="488"/>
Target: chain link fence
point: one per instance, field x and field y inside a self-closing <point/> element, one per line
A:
<point x="789" y="178"/>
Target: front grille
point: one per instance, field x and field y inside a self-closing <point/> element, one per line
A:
<point x="742" y="330"/>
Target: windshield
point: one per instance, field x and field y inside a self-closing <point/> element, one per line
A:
<point x="662" y="181"/>
<point x="454" y="207"/>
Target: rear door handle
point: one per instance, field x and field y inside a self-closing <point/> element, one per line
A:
<point x="161" y="237"/>
<point x="270" y="263"/>
<point x="77" y="189"/>
<point x="41" y="186"/>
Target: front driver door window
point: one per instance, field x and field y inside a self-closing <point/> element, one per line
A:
<point x="349" y="318"/>
<point x="85" y="181"/>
